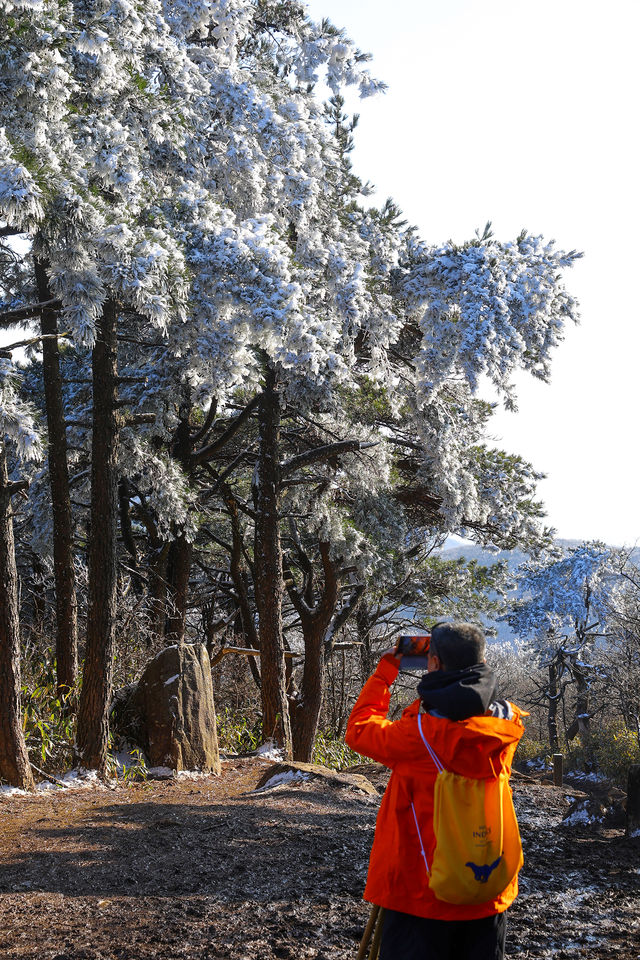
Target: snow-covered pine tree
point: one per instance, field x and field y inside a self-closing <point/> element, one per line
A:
<point x="83" y="148"/>
<point x="562" y="610"/>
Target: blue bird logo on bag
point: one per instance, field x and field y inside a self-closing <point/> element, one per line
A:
<point x="484" y="871"/>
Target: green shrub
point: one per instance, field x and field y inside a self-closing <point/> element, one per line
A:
<point x="610" y="752"/>
<point x="48" y="720"/>
<point x="334" y="753"/>
<point x="136" y="770"/>
<point x="237" y="733"/>
<point x="529" y="749"/>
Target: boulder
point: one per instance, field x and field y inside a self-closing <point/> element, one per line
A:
<point x="286" y="771"/>
<point x="174" y="701"/>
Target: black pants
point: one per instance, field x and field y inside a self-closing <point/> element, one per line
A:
<point x="405" y="937"/>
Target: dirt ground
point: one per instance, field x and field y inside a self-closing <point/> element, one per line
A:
<point x="207" y="869"/>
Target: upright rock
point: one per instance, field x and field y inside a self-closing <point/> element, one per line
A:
<point x="174" y="701"/>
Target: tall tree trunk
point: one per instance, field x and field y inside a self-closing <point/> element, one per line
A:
<point x="158" y="590"/>
<point x="363" y="623"/>
<point x="180" y="550"/>
<point x="305" y="719"/>
<point x="583" y="697"/>
<point x="268" y="570"/>
<point x="93" y="729"/>
<point x="239" y="578"/>
<point x="552" y="714"/>
<point x="179" y="568"/>
<point x="14" y="762"/>
<point x="63" y="566"/>
<point x="315" y="623"/>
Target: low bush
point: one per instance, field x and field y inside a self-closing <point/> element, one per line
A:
<point x="237" y="733"/>
<point x="609" y="752"/>
<point x="48" y="720"/>
<point x="528" y="751"/>
<point x="334" y="753"/>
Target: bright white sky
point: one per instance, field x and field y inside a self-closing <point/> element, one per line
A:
<point x="525" y="114"/>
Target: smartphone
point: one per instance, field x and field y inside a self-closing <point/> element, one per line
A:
<point x="413" y="649"/>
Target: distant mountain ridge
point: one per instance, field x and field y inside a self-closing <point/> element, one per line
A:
<point x="487" y="556"/>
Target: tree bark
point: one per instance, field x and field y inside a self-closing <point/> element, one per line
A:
<point x="93" y="728"/>
<point x="14" y="761"/>
<point x="633" y="801"/>
<point x="158" y="565"/>
<point x="315" y="623"/>
<point x="239" y="577"/>
<point x="268" y="570"/>
<point x="363" y="623"/>
<point x="583" y="697"/>
<point x="307" y="711"/>
<point x="552" y="715"/>
<point x="179" y="568"/>
<point x="180" y="550"/>
<point x="63" y="560"/>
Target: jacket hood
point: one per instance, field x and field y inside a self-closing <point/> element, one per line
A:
<point x="458" y="694"/>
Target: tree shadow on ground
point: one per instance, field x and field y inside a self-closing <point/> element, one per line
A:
<point x="245" y="850"/>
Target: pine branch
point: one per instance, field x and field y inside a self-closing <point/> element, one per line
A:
<point x="322" y="454"/>
<point x="33" y="310"/>
<point x="28" y="343"/>
<point x="139" y="418"/>
<point x="208" y="423"/>
<point x="15" y="486"/>
<point x="206" y="453"/>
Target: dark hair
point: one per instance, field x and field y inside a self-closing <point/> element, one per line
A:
<point x="458" y="645"/>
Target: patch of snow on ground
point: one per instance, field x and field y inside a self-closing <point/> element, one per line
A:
<point x="191" y="775"/>
<point x="168" y="773"/>
<point x="126" y="758"/>
<point x="8" y="791"/>
<point x="592" y="777"/>
<point x="74" y="779"/>
<point x="82" y="778"/>
<point x="46" y="785"/>
<point x="580" y="815"/>
<point x="269" y="751"/>
<point x="539" y="764"/>
<point x="289" y="776"/>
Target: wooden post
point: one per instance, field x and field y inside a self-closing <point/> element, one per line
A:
<point x="557" y="769"/>
<point x="633" y="801"/>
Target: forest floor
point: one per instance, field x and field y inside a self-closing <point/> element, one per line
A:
<point x="209" y="869"/>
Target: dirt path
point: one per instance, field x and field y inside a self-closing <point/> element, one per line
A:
<point x="196" y="869"/>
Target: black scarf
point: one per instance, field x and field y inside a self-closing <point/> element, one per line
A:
<point x="458" y="694"/>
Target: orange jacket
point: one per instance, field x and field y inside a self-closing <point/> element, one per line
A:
<point x="477" y="747"/>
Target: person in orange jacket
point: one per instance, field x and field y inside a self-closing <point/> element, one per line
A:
<point x="474" y="735"/>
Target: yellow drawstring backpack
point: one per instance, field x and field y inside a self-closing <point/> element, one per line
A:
<point x="478" y="849"/>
